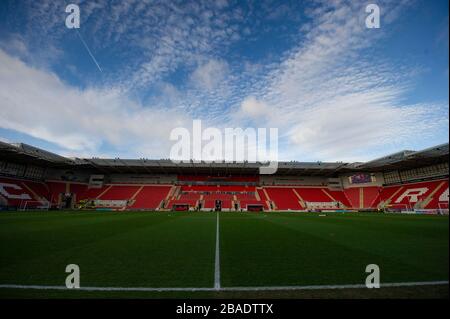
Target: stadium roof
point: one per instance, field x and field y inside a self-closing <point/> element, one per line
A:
<point x="409" y="159"/>
<point x="23" y="153"/>
<point x="190" y="167"/>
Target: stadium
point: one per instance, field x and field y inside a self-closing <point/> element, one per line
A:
<point x="224" y="152"/>
<point x="156" y="228"/>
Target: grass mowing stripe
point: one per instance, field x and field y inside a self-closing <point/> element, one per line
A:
<point x="151" y="250"/>
<point x="180" y="251"/>
<point x="365" y="239"/>
<point x="297" y="249"/>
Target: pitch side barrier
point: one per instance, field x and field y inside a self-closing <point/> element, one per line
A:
<point x="8" y="208"/>
<point x="419" y="211"/>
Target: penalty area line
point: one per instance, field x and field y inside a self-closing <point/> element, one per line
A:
<point x="268" y="288"/>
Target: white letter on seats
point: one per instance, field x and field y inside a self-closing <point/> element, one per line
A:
<point x="444" y="196"/>
<point x="413" y="194"/>
<point x="4" y="192"/>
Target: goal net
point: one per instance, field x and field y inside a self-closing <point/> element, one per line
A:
<point x="398" y="207"/>
<point x="443" y="208"/>
<point x="34" y="205"/>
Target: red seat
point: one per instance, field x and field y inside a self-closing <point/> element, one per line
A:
<point x="284" y="198"/>
<point x="21" y="193"/>
<point x="119" y="192"/>
<point x="406" y="196"/>
<point x="150" y="197"/>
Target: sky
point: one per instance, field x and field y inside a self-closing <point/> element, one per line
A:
<point x="135" y="70"/>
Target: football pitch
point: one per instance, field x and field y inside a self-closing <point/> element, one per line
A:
<point x="251" y="255"/>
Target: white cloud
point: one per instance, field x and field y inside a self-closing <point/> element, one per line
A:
<point x="155" y="38"/>
<point x="353" y="125"/>
<point x="330" y="96"/>
<point x="39" y="104"/>
<point x="331" y="101"/>
<point x="208" y="75"/>
<point x="254" y="108"/>
<point x="4" y="139"/>
<point x="15" y="45"/>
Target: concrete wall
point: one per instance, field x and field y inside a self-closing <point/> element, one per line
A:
<point x="293" y="180"/>
<point x="67" y="175"/>
<point x="141" y="178"/>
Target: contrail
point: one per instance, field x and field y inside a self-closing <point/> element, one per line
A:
<point x="89" y="51"/>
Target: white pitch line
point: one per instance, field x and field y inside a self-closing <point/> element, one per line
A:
<point x="217" y="259"/>
<point x="322" y="287"/>
<point x="162" y="289"/>
<point x="170" y="289"/>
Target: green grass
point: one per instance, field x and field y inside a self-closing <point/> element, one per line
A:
<point x="142" y="249"/>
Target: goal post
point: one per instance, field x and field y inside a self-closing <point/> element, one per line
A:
<point x="34" y="205"/>
<point x="443" y="208"/>
<point x="400" y="207"/>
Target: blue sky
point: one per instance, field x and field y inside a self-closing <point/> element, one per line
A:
<point x="335" y="90"/>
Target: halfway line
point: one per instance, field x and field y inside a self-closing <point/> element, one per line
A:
<point x="217" y="261"/>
